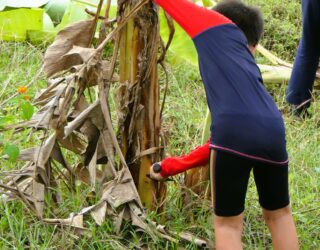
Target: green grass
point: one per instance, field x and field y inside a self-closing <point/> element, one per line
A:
<point x="183" y="117"/>
<point x="282" y="26"/>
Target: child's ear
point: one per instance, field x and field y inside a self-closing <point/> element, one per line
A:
<point x="253" y="49"/>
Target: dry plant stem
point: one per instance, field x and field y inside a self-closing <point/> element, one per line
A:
<point x="276" y="60"/>
<point x="171" y="34"/>
<point x="105" y="108"/>
<point x="70" y="187"/>
<point x="91" y="13"/>
<point x="171" y="28"/>
<point x="114" y="57"/>
<point x="105" y="23"/>
<point x="165" y="89"/>
<point x="134" y="10"/>
<point x="106" y="14"/>
<point x="95" y="21"/>
<point x="107" y="119"/>
<point x="272" y="58"/>
<point x="4" y="186"/>
<point x="104" y="105"/>
<point x="100" y="48"/>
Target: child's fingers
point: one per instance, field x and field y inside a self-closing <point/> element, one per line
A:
<point x="155" y="176"/>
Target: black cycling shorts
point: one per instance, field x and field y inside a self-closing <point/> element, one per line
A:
<point x="229" y="180"/>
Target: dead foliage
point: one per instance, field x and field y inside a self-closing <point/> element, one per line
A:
<point x="74" y="118"/>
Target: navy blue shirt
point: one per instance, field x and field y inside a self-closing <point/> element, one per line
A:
<point x="245" y="118"/>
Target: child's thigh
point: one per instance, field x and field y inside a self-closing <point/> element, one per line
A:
<point x="230" y="181"/>
<point x="272" y="185"/>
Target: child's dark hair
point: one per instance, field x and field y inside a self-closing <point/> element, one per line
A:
<point x="247" y="18"/>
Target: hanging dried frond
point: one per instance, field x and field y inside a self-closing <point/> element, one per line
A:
<point x="78" y="140"/>
<point x="62" y="54"/>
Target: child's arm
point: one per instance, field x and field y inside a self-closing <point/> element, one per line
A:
<point x="192" y="18"/>
<point x="196" y="158"/>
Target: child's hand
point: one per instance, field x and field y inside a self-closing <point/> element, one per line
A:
<point x="156" y="175"/>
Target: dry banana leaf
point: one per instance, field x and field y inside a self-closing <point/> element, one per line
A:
<point x="78" y="34"/>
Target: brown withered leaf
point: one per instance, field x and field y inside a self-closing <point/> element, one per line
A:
<point x="79" y="54"/>
<point x="25" y="186"/>
<point x="81" y="105"/>
<point x="117" y="194"/>
<point x="93" y="74"/>
<point x="40" y="120"/>
<point x="139" y="221"/>
<point x="80" y="118"/>
<point x="38" y="194"/>
<point x="82" y="174"/>
<point x="75" y="142"/>
<point x="92" y="134"/>
<point x="17" y="176"/>
<point x="93" y="169"/>
<point x="27" y="154"/>
<point x="99" y="213"/>
<point x="43" y="153"/>
<point x="57" y="155"/>
<point x="118" y="219"/>
<point x="196" y="240"/>
<point x="78" y="34"/>
<point x="75" y="221"/>
<point x="44" y="96"/>
<point x="107" y="148"/>
<point x="41" y="157"/>
<point x="86" y="210"/>
<point x="44" y="117"/>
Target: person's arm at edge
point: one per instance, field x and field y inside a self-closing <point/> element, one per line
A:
<point x="192" y="18"/>
<point x="196" y="158"/>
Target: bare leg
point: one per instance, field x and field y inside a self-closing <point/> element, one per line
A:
<point x="228" y="231"/>
<point x="282" y="228"/>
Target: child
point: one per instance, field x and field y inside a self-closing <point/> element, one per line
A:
<point x="307" y="59"/>
<point x="247" y="128"/>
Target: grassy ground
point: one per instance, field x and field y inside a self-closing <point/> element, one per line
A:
<point x="282" y="26"/>
<point x="183" y="124"/>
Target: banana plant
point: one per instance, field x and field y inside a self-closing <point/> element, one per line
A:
<point x="139" y="127"/>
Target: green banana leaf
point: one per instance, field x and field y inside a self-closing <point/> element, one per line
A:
<point x="15" y="23"/>
<point x="75" y="11"/>
<point x="56" y="9"/>
<point x="207" y="3"/>
<point x="45" y="35"/>
<point x="182" y="46"/>
<point x="22" y="3"/>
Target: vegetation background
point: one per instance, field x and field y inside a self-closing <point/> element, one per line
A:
<point x="183" y="120"/>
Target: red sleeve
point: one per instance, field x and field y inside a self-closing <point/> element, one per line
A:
<point x="196" y="158"/>
<point x="192" y="18"/>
